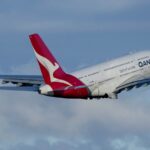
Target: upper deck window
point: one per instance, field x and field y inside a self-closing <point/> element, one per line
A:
<point x="113" y="67"/>
<point x="146" y="57"/>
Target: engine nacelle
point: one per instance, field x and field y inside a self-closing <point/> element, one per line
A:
<point x="46" y="90"/>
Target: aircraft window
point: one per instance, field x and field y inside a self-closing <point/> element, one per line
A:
<point x="106" y="80"/>
<point x="131" y="72"/>
<point x="83" y="77"/>
<point x="143" y="58"/>
<point x="116" y="66"/>
<point x="92" y="73"/>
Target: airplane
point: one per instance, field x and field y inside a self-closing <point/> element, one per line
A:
<point x="105" y="80"/>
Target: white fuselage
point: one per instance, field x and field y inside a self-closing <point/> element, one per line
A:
<point x="105" y="78"/>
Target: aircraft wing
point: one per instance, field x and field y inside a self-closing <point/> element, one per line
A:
<point x="22" y="82"/>
<point x="129" y="84"/>
<point x="26" y="83"/>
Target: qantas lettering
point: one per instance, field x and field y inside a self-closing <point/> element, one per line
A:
<point x="144" y="63"/>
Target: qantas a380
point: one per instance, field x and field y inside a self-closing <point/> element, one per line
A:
<point x="104" y="80"/>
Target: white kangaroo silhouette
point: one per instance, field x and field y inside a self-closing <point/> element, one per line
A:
<point x="50" y="68"/>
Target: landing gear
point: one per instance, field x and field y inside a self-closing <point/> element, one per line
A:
<point x="112" y="96"/>
<point x="98" y="97"/>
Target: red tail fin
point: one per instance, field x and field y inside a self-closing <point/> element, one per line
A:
<point x="53" y="74"/>
<point x="50" y="68"/>
<point x="46" y="60"/>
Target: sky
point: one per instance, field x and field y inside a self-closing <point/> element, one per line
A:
<point x="80" y="34"/>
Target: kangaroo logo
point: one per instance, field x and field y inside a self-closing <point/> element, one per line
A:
<point x="50" y="68"/>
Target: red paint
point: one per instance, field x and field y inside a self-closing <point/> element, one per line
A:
<point x="58" y="88"/>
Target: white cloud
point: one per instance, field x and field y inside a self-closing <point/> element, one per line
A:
<point x="128" y="143"/>
<point x="26" y="118"/>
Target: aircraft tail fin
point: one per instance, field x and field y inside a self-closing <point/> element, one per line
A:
<point x="47" y="62"/>
<point x="52" y="72"/>
<point x="58" y="83"/>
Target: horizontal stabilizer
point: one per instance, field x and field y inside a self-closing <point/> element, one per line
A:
<point x="14" y="88"/>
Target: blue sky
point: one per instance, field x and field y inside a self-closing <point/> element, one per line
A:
<point x="80" y="34"/>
